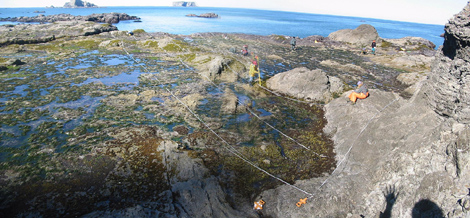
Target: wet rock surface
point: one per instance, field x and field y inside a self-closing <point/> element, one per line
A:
<point x="32" y="34"/>
<point x="97" y="125"/>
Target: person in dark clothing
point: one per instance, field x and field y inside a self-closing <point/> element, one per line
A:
<point x="373" y="47"/>
<point x="293" y="42"/>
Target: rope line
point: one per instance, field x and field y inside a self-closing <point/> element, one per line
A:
<point x="231" y="149"/>
<point x="239" y="155"/>
<point x="354" y="142"/>
<point x="248" y="108"/>
<point x="272" y="127"/>
<point x="352" y="145"/>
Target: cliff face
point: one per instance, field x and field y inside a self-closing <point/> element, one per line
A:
<point x="448" y="88"/>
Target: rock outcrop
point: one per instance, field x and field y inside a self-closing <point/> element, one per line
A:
<point x="362" y="35"/>
<point x="205" y="15"/>
<point x="100" y="18"/>
<point x="306" y="84"/>
<point x="448" y="88"/>
<point x="23" y="33"/>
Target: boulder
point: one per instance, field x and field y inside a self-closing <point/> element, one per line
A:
<point x="218" y="67"/>
<point x="306" y="84"/>
<point x="361" y="36"/>
<point x="14" y="62"/>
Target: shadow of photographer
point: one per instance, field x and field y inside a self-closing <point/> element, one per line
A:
<point x="422" y="209"/>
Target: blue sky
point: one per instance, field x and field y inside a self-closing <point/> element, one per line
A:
<point x="418" y="11"/>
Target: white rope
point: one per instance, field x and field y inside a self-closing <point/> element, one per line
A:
<point x="350" y="148"/>
<point x="232" y="150"/>
<point x="352" y="145"/>
<point x="242" y="103"/>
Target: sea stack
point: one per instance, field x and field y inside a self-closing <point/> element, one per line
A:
<point x="79" y="4"/>
<point x="184" y="4"/>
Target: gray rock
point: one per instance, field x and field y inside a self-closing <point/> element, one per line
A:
<point x="361" y="36"/>
<point x="205" y="15"/>
<point x="448" y="89"/>
<point x="410" y="43"/>
<point x="14" y="62"/>
<point x="196" y="193"/>
<point x="304" y="83"/>
<point x="40" y="33"/>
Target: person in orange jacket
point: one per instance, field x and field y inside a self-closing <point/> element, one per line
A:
<point x="361" y="92"/>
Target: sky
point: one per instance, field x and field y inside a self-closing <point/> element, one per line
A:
<point x="417" y="11"/>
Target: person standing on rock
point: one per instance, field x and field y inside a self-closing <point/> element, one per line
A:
<point x="245" y="50"/>
<point x="373" y="47"/>
<point x="293" y="42"/>
<point x="253" y="69"/>
<point x="361" y="92"/>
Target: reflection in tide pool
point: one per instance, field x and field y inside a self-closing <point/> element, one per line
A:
<point x="128" y="78"/>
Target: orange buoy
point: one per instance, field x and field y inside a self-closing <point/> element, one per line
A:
<point x="301" y="201"/>
<point x="259" y="205"/>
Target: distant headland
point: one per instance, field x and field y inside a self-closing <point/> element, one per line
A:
<point x="184" y="4"/>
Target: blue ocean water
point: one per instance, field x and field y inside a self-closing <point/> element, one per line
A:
<point x="249" y="21"/>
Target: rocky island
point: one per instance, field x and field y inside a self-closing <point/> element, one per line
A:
<point x="205" y="15"/>
<point x="184" y="4"/>
<point x="98" y="123"/>
<point x="79" y="4"/>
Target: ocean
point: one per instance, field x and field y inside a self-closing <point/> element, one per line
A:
<point x="249" y="21"/>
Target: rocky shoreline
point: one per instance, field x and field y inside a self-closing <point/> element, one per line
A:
<point x="82" y="138"/>
<point x="100" y="18"/>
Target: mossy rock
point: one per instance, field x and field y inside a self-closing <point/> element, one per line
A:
<point x="386" y="44"/>
<point x="138" y="31"/>
<point x="151" y="44"/>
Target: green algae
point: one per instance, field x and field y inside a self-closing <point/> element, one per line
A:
<point x="78" y="149"/>
<point x="138" y="31"/>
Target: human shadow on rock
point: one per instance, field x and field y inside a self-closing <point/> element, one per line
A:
<point x="391" y="194"/>
<point x="426" y="209"/>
